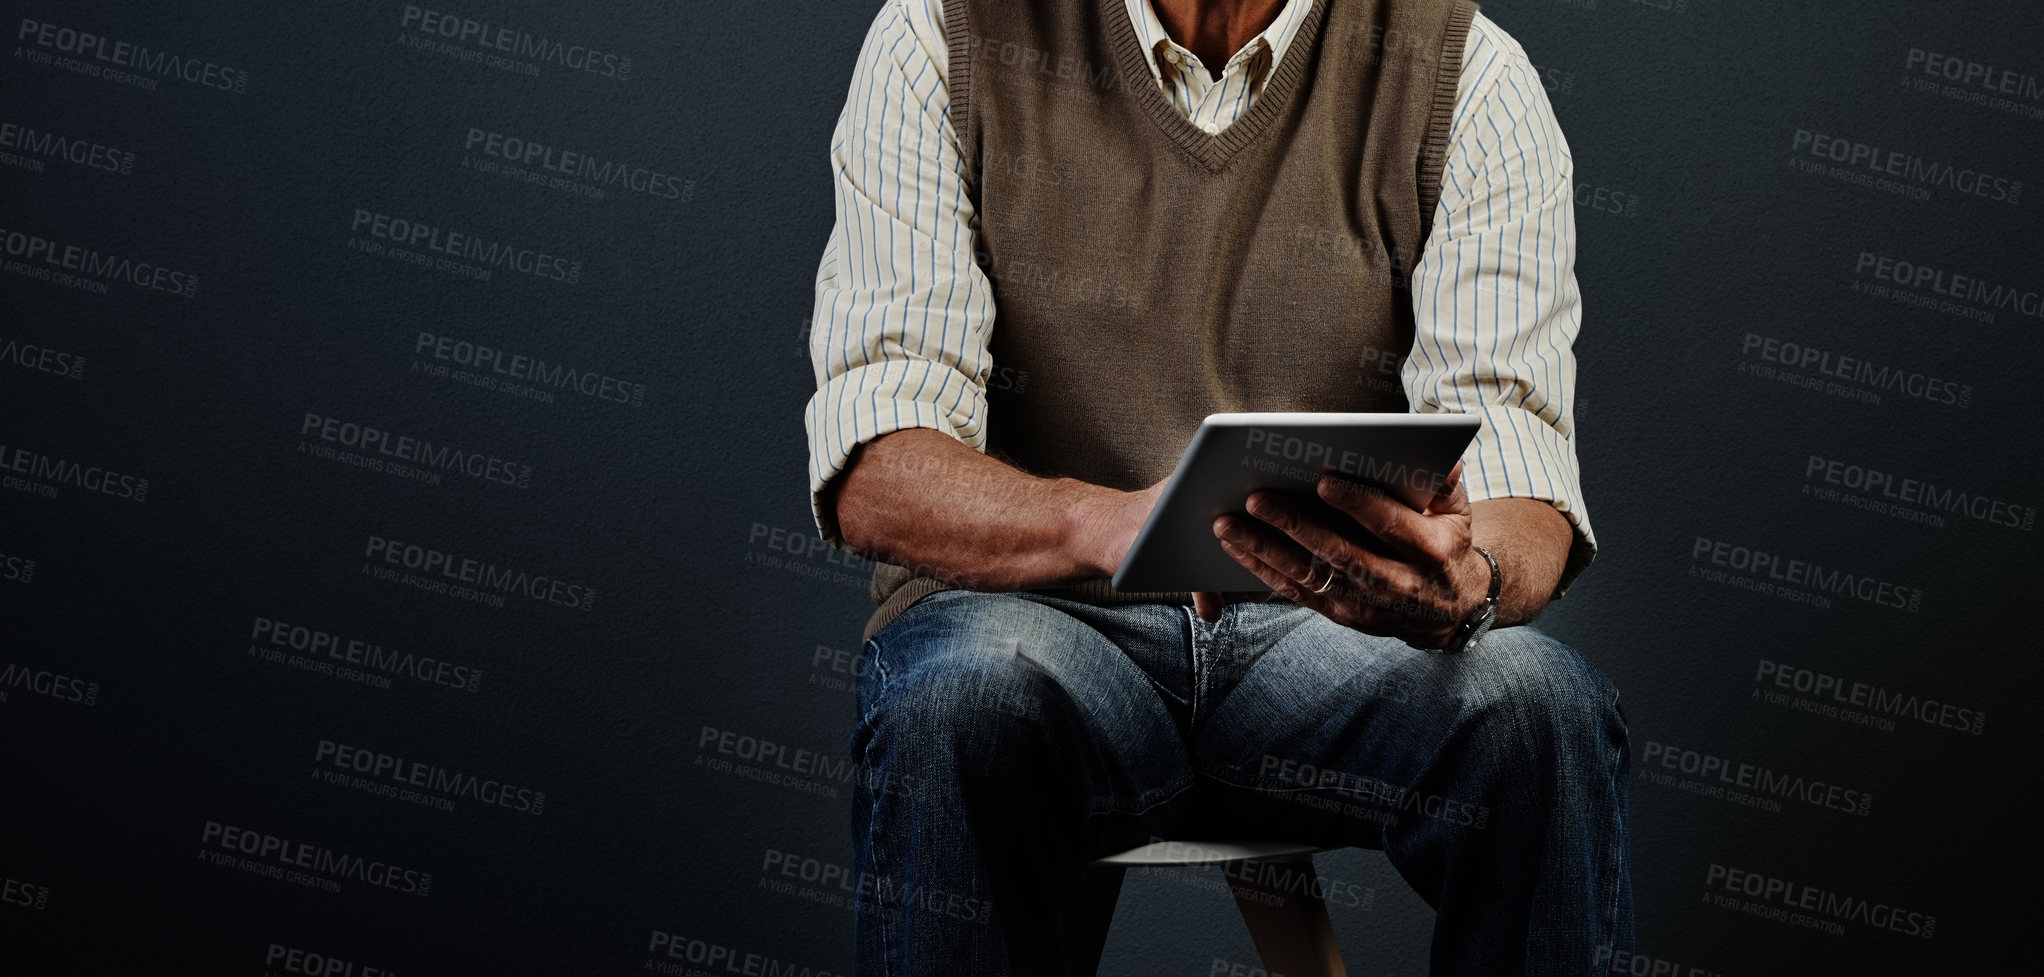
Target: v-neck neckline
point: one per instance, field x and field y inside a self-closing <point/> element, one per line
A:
<point x="1214" y="151"/>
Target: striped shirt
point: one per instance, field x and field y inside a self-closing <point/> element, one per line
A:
<point x="904" y="314"/>
<point x="1208" y="103"/>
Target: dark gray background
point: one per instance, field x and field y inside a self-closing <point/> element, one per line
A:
<point x="1689" y="112"/>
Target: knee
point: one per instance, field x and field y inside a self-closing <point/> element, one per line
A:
<point x="1524" y="686"/>
<point x="969" y="706"/>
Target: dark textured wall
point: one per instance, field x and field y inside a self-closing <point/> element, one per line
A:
<point x="197" y="616"/>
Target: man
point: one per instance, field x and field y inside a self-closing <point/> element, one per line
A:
<point x="1066" y="231"/>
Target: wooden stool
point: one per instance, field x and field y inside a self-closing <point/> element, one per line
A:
<point x="1286" y="916"/>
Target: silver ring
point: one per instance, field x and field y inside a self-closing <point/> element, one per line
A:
<point x="1329" y="585"/>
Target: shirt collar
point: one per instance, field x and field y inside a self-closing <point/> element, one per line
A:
<point x="1277" y="38"/>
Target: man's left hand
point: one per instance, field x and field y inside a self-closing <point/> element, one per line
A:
<point x="1372" y="563"/>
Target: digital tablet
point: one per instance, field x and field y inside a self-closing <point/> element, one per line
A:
<point x="1232" y="455"/>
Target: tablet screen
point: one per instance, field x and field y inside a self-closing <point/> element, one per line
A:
<point x="1233" y="455"/>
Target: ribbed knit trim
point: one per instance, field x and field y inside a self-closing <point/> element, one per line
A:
<point x="1098" y="592"/>
<point x="1103" y="592"/>
<point x="899" y="601"/>
<point x="958" y="79"/>
<point x="1433" y="149"/>
<point x="1216" y="150"/>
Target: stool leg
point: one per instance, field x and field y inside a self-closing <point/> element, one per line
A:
<point x="1280" y="902"/>
<point x="1085" y="921"/>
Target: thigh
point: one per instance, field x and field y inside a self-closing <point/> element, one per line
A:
<point x="1335" y="734"/>
<point x="1011" y="666"/>
<point x="1313" y="689"/>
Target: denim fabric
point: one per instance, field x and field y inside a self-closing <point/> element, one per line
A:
<point x="1005" y="740"/>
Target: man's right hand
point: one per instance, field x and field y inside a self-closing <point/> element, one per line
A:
<point x="923" y="500"/>
<point x="1118" y="521"/>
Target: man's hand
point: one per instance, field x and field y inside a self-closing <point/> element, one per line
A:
<point x="1371" y="562"/>
<point x="1110" y="530"/>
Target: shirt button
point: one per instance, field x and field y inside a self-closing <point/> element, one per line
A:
<point x="1211" y="128"/>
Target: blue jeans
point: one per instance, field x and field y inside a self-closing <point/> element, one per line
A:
<point x="1006" y="740"/>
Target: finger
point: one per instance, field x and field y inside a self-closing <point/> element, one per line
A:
<point x="1345" y="602"/>
<point x="1271" y="547"/>
<point x="1280" y="584"/>
<point x="1449" y="497"/>
<point x="1361" y="604"/>
<point x="1208" y="606"/>
<point x="1330" y="546"/>
<point x="1418" y="537"/>
<point x="1373" y="593"/>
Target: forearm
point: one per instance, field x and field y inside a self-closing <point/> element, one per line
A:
<point x="1531" y="541"/>
<point x="919" y="498"/>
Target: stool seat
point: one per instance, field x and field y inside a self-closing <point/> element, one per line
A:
<point x="1209" y="853"/>
<point x="1286" y="916"/>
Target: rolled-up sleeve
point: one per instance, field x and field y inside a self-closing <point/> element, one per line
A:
<point x="903" y="313"/>
<point x="1494" y="292"/>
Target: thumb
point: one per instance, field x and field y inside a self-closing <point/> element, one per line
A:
<point x="1444" y="497"/>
